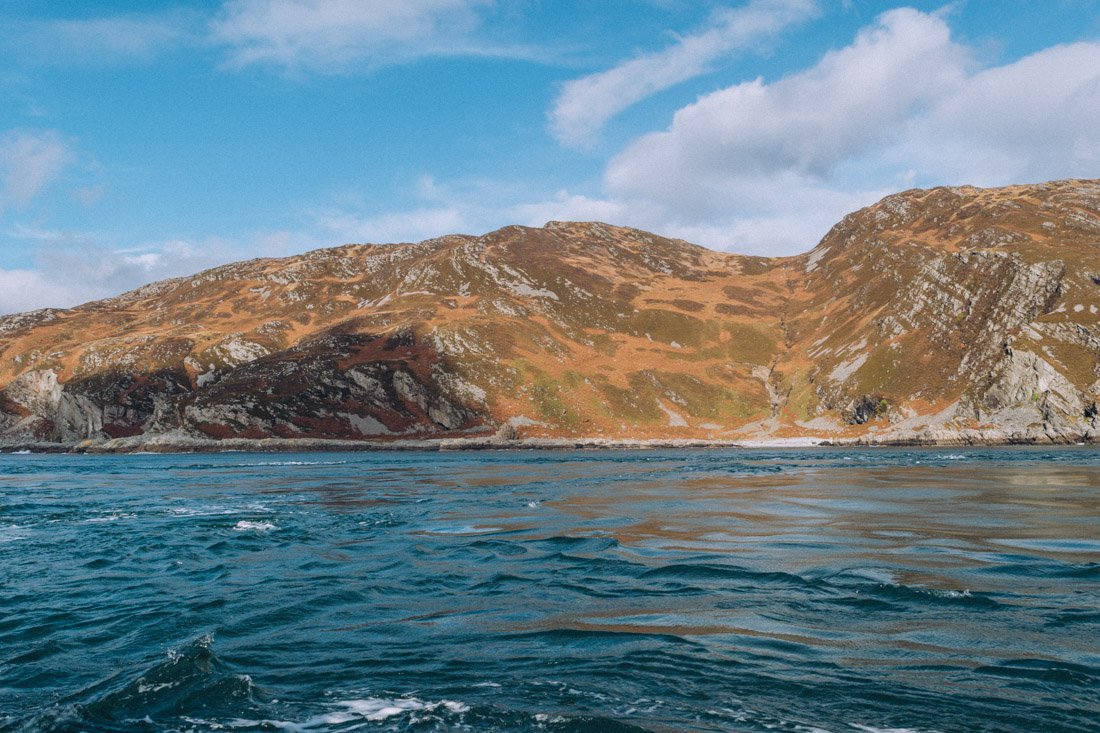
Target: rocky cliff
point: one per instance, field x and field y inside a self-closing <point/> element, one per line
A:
<point x="947" y="315"/>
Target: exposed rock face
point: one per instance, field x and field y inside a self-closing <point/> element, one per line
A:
<point x="984" y="298"/>
<point x="944" y="315"/>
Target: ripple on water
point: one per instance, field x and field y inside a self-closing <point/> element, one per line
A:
<point x="827" y="590"/>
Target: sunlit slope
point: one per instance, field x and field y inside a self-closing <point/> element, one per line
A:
<point x="927" y="314"/>
<point x="975" y="306"/>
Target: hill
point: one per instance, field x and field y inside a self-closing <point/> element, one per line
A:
<point x="946" y="315"/>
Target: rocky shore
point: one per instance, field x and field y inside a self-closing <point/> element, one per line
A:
<point x="185" y="444"/>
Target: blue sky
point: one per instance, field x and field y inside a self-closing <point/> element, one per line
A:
<point x="142" y="141"/>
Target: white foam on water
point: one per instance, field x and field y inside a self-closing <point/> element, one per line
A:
<point x="952" y="593"/>
<point x="203" y="642"/>
<point x="380" y="709"/>
<point x="246" y="526"/>
<point x="216" y="510"/>
<point x="12" y="533"/>
<point x="143" y="689"/>
<point x="372" y="710"/>
<point x="110" y="518"/>
<point x="871" y="729"/>
<point x="206" y="511"/>
<point x="551" y="719"/>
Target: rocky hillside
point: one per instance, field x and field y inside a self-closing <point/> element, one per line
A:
<point x="948" y="315"/>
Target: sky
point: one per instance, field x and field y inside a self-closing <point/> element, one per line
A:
<point x="140" y="141"/>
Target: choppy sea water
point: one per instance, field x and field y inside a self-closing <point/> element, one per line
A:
<point x="819" y="590"/>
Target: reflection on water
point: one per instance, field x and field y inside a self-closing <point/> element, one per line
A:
<point x="663" y="591"/>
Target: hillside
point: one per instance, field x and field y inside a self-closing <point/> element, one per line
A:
<point x="947" y="315"/>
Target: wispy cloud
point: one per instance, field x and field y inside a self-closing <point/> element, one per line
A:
<point x="101" y="40"/>
<point x="29" y="161"/>
<point x="333" y="35"/>
<point x="73" y="267"/>
<point x="585" y="105"/>
<point x="315" y="35"/>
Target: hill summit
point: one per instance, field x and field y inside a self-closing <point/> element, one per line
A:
<point x="949" y="315"/>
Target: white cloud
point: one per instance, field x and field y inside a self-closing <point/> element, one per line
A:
<point x="24" y="290"/>
<point x="73" y="267"/>
<point x="791" y="228"/>
<point x="769" y="166"/>
<point x="104" y="271"/>
<point x="330" y="34"/>
<point x="1030" y="120"/>
<point x="568" y="207"/>
<point x="29" y="161"/>
<point x="585" y="105"/>
<point x="806" y="124"/>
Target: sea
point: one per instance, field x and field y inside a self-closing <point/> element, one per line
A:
<point x="810" y="590"/>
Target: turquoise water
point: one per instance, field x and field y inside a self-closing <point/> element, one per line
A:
<point x="818" y="590"/>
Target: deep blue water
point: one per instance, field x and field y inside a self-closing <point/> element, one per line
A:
<point x="818" y="590"/>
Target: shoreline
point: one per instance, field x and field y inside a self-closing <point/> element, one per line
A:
<point x="181" y="444"/>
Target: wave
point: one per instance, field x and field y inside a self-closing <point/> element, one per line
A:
<point x="192" y="689"/>
<point x="711" y="571"/>
<point x="916" y="595"/>
<point x="1058" y="673"/>
<point x="412" y="713"/>
<point x="190" y="681"/>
